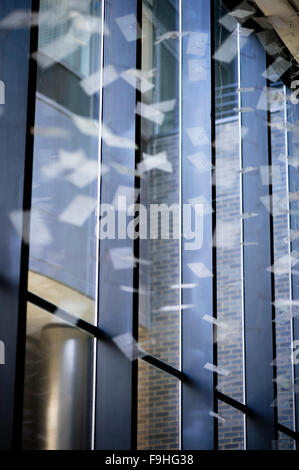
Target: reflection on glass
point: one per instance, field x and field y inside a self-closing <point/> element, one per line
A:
<point x="158" y="409"/>
<point x="284" y="443"/>
<point x="159" y="306"/>
<point x="231" y="430"/>
<point x="277" y="101"/>
<point x="228" y="235"/>
<point x="58" y="382"/>
<point x="65" y="167"/>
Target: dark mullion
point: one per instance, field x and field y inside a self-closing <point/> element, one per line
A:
<point x="214" y="215"/>
<point x="154" y="361"/>
<point x="258" y="283"/>
<point x="232" y="402"/>
<point x="27" y="193"/>
<point x="135" y="317"/>
<point x="288" y="432"/>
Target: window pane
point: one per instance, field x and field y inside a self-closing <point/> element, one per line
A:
<point x="231" y="430"/>
<point x="282" y="251"/>
<point x="228" y="237"/>
<point x="284" y="442"/>
<point x="158" y="409"/>
<point x="159" y="306"/>
<point x="65" y="169"/>
<point x="58" y="384"/>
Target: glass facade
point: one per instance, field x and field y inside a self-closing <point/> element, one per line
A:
<point x="153" y="241"/>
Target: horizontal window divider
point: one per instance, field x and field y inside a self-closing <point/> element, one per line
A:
<point x="232" y="402"/>
<point x="285" y="430"/>
<point x="97" y="332"/>
<point x="66" y="316"/>
<point x="154" y="361"/>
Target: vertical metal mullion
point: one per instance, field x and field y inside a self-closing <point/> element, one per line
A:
<point x="293" y="113"/>
<point x="18" y="74"/>
<point x="23" y="283"/>
<point x="214" y="215"/>
<point x="114" y="371"/>
<point x="135" y="319"/>
<point x="242" y="228"/>
<point x="197" y="334"/>
<point x="274" y="354"/>
<point x="96" y="317"/>
<point x="258" y="282"/>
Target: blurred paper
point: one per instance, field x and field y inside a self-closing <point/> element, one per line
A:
<point x="129" y="27"/>
<point x="215" y="321"/>
<point x="35" y="230"/>
<point x="276" y="69"/>
<point x="227" y="51"/>
<point x="269" y="41"/>
<point x="16" y="19"/>
<point x="203" y="203"/>
<point x="197" y="44"/>
<point x="173" y="308"/>
<point x="127" y="345"/>
<point x="170" y="35"/>
<point x="275" y="204"/>
<point x="200" y="270"/>
<point x="216" y="369"/>
<point x="136" y="78"/>
<point x="183" y="286"/>
<point x="150" y="112"/>
<point x="165" y="106"/>
<point x="283" y="265"/>
<point x="197" y="70"/>
<point x="79" y="210"/>
<point x="124" y="170"/>
<point x="243" y="11"/>
<point x="122" y="258"/>
<point x="55" y="132"/>
<point x="245" y="109"/>
<point x="87" y="126"/>
<point x="272" y="99"/>
<point x="248" y="215"/>
<point x="152" y="162"/>
<point x="198" y="136"/>
<point x="201" y="162"/>
<point x="128" y="192"/>
<point x="229" y="22"/>
<point x="91" y="84"/>
<point x="84" y="174"/>
<point x="56" y="50"/>
<point x="227" y="234"/>
<point x="292" y="161"/>
<point x="217" y="416"/>
<point x="114" y="140"/>
<point x="274" y="171"/>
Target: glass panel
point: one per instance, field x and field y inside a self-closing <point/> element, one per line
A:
<point x="231" y="428"/>
<point x="158" y="409"/>
<point x="282" y="274"/>
<point x="58" y="384"/>
<point x="159" y="306"/>
<point x="228" y="236"/>
<point x="284" y="442"/>
<point x="65" y="170"/>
